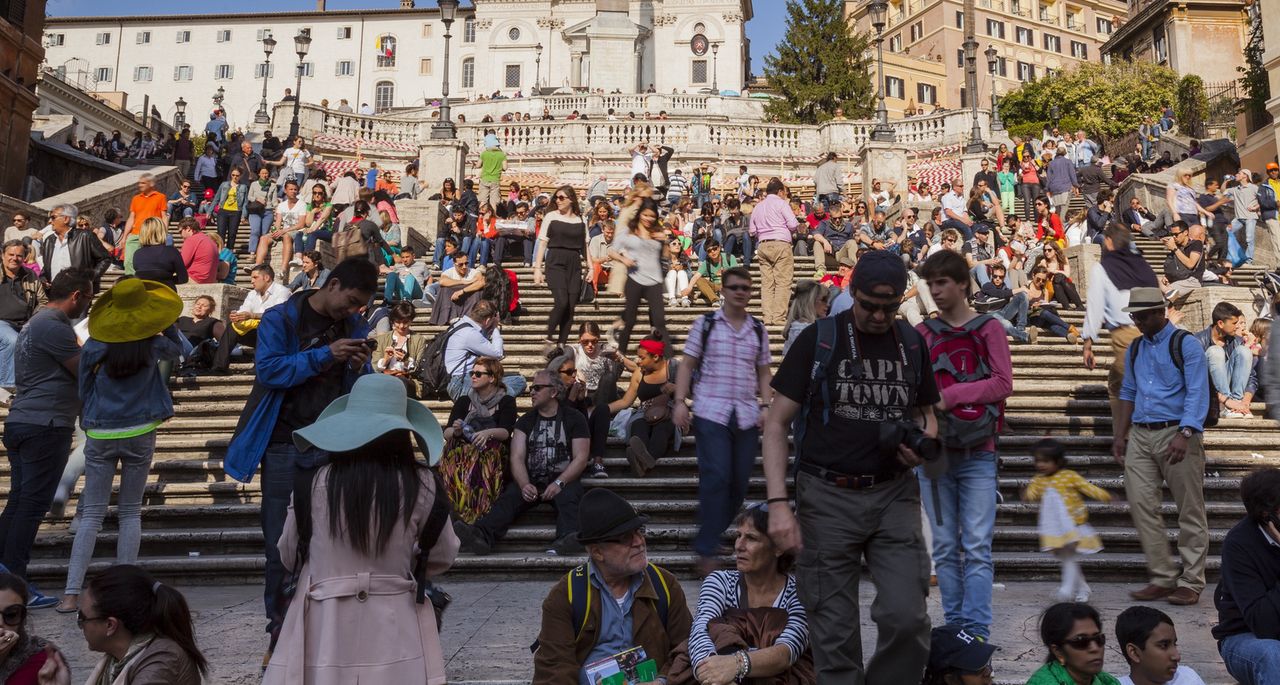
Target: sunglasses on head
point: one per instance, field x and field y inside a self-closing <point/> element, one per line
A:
<point x="872" y="307"/>
<point x="1082" y="641"/>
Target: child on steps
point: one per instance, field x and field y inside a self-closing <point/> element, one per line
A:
<point x="1063" y="523"/>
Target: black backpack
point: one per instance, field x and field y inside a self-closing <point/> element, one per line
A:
<point x="1175" y="351"/>
<point x="435" y="378"/>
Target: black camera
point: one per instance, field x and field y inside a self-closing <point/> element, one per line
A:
<point x="900" y="432"/>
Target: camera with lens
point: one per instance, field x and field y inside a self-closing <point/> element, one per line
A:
<point x="896" y="432"/>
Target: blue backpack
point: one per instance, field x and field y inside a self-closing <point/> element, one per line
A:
<point x="1267" y="206"/>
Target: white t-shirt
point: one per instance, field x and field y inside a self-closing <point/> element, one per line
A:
<point x="640" y="162"/>
<point x="955" y="203"/>
<point x="295" y="160"/>
<point x="744" y="184"/>
<point x="289" y="217"/>
<point x="1183" y="676"/>
<point x="472" y="274"/>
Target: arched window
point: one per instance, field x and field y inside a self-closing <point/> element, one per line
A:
<point x="469" y="72"/>
<point x="469" y="30"/>
<point x="384" y="95"/>
<point x="386" y="49"/>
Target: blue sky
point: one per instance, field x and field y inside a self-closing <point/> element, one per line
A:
<point x="764" y="31"/>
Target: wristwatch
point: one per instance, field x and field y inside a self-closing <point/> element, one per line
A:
<point x="1187" y="431"/>
<point x="559" y="483"/>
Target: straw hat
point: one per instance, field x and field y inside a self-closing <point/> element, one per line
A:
<point x="376" y="406"/>
<point x="135" y="309"/>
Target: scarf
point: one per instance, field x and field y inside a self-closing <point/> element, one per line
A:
<point x="115" y="668"/>
<point x="482" y="410"/>
<point x="1128" y="270"/>
<point x="26" y="648"/>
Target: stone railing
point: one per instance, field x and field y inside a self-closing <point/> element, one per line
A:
<point x="597" y="106"/>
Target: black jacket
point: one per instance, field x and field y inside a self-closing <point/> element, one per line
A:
<point x="19" y="296"/>
<point x="1248" y="595"/>
<point x="86" y="250"/>
<point x="1092" y="179"/>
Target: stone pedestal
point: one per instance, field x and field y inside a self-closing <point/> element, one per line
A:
<point x="885" y="162"/>
<point x="1081" y="259"/>
<point x="418" y="220"/>
<point x="228" y="298"/>
<point x="437" y="160"/>
<point x="1267" y="253"/>
<point x="1197" y="311"/>
<point x="970" y="165"/>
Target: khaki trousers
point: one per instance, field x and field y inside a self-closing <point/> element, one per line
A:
<point x="1145" y="471"/>
<point x="1121" y="338"/>
<point x="777" y="267"/>
<point x="491" y="193"/>
<point x="709" y="290"/>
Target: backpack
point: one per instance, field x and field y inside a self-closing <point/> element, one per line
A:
<point x="1267" y="206"/>
<point x="960" y="356"/>
<point x="580" y="592"/>
<point x="435" y="378"/>
<point x="709" y="322"/>
<point x="824" y="349"/>
<point x="1175" y="352"/>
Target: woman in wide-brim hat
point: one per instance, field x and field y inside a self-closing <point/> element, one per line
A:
<point x="125" y="398"/>
<point x="354" y="616"/>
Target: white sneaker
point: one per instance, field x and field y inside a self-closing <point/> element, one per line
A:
<point x="1230" y="414"/>
<point x="684" y="302"/>
<point x="296" y="261"/>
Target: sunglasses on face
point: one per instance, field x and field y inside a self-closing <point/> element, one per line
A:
<point x="480" y="374"/>
<point x="889" y="309"/>
<point x="562" y="197"/>
<point x="588" y="341"/>
<point x="536" y="387"/>
<point x="81" y="619"/>
<point x="14" y="615"/>
<point x="568" y="372"/>
<point x="1082" y="641"/>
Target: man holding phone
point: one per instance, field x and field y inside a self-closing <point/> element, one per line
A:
<point x="310" y="350"/>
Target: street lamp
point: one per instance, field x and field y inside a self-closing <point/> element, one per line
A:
<point x="537" y="76"/>
<point x="715" y="67"/>
<point x="180" y="113"/>
<point x="219" y="96"/>
<point x="996" y="124"/>
<point x="882" y="132"/>
<point x="444" y="128"/>
<point x="268" y="46"/>
<point x="976" y="143"/>
<point x="301" y="44"/>
<point x="1055" y="113"/>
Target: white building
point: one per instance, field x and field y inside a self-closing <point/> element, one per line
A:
<point x="393" y="58"/>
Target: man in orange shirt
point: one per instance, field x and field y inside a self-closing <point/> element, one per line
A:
<point x="148" y="203"/>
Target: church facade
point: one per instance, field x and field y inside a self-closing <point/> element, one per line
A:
<point x="394" y="58"/>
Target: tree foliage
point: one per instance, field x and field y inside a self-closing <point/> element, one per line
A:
<point x="1105" y="99"/>
<point x="821" y="65"/>
<point x="1192" y="107"/>
<point x="1253" y="79"/>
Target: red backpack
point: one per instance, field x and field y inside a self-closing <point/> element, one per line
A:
<point x="958" y="355"/>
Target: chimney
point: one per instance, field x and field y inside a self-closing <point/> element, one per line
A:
<point x="319" y="5"/>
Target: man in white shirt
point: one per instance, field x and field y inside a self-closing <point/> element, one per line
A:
<point x="294" y="162"/>
<point x="1106" y="300"/>
<point x="954" y="213"/>
<point x="1149" y="643"/>
<point x="641" y="161"/>
<point x="243" y="328"/>
<point x="475" y="335"/>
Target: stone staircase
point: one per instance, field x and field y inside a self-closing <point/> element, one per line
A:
<point x="202" y="526"/>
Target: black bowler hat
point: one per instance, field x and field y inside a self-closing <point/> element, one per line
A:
<point x="606" y="516"/>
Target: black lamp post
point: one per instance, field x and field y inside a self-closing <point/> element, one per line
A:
<point x="268" y="45"/>
<point x="1055" y="113"/>
<point x="976" y="143"/>
<point x="219" y="96"/>
<point x="996" y="124"/>
<point x="715" y="67"/>
<point x="537" y="74"/>
<point x="444" y="128"/>
<point x="301" y="44"/>
<point x="882" y="132"/>
<point x="180" y="113"/>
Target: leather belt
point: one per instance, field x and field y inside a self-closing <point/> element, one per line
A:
<point x="848" y="481"/>
<point x="1157" y="425"/>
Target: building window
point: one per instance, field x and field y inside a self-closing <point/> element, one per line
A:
<point x="1025" y="36"/>
<point x="308" y="69"/>
<point x="1002" y="66"/>
<point x="223" y="72"/>
<point x="143" y="38"/>
<point x="384" y="94"/>
<point x="1105" y="27"/>
<point x="142" y="73"/>
<point x="184" y="37"/>
<point x="469" y="72"/>
<point x="344" y="33"/>
<point x="514" y="34"/>
<point x="959" y="20"/>
<point x="264" y="71"/>
<point x="263" y="34"/>
<point x="1015" y="6"/>
<point x="1074" y="21"/>
<point x="698" y="72"/>
<point x="469" y="30"/>
<point x="511" y="76"/>
<point x="917" y="31"/>
<point x="1026" y="72"/>
<point x="699" y="28"/>
<point x="102" y="74"/>
<point x="1160" y="44"/>
<point x="426" y="30"/>
<point x="104" y="38"/>
<point x="182" y="72"/>
<point x="57" y="39"/>
<point x="1053" y="43"/>
<point x="926" y="94"/>
<point x="224" y="35"/>
<point x="960" y="58"/>
<point x="1079" y="50"/>
<point x="995" y="29"/>
<point x="894" y="87"/>
<point x="1046" y="15"/>
<point x="964" y="98"/>
<point x="386" y="47"/>
<point x="345" y="67"/>
<point x="424" y="67"/>
<point x="895" y="43"/>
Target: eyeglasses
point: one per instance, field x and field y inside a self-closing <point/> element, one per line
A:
<point x="477" y="373"/>
<point x="588" y="341"/>
<point x="14" y="615"/>
<point x="626" y="538"/>
<point x="562" y="197"/>
<point x="81" y="619"/>
<point x="1082" y="641"/>
<point x="872" y="307"/>
<point x="737" y="288"/>
<point x="539" y="386"/>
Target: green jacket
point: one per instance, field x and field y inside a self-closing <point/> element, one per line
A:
<point x="1054" y="673"/>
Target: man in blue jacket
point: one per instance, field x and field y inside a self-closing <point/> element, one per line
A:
<point x="310" y="351"/>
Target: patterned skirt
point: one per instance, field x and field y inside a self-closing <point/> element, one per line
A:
<point x="473" y="476"/>
<point x="1058" y="529"/>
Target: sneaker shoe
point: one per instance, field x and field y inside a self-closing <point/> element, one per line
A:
<point x="1230" y="414"/>
<point x="684" y="302"/>
<point x="39" y="600"/>
<point x="1073" y="335"/>
<point x="473" y="541"/>
<point x="596" y="470"/>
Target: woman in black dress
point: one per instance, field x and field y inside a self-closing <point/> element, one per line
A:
<point x="562" y="249"/>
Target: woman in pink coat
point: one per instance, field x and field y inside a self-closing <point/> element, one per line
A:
<point x="354" y="618"/>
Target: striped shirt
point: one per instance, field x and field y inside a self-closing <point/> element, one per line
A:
<point x="720" y="592"/>
<point x="728" y="385"/>
<point x="676" y="186"/>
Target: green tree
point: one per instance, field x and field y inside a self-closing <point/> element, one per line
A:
<point x="1106" y="100"/>
<point x="1192" y="108"/>
<point x="821" y="64"/>
<point x="1254" y="81"/>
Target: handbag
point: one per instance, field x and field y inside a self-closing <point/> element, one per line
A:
<point x="255" y="208"/>
<point x="349" y="243"/>
<point x="587" y="294"/>
<point x="657" y="409"/>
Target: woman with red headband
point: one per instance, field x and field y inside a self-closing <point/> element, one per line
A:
<point x="651" y="433"/>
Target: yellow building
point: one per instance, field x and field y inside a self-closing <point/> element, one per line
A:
<point x="1261" y="146"/>
<point x="924" y="53"/>
<point x="1203" y="37"/>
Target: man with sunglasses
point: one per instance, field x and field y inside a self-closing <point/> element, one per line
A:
<point x="846" y="376"/>
<point x="1184" y="263"/>
<point x="1248" y="595"/>
<point x="549" y="452"/>
<point x="183" y="202"/>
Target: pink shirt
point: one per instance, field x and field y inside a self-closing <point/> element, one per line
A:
<point x="772" y="219"/>
<point x="200" y="255"/>
<point x="729" y="384"/>
<point x="997" y="387"/>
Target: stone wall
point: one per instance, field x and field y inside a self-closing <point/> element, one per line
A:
<point x="113" y="191"/>
<point x="61" y="169"/>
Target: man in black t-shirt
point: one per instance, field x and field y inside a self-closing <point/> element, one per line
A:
<point x="1210" y="200"/>
<point x="852" y="498"/>
<point x="1184" y="264"/>
<point x="548" y="455"/>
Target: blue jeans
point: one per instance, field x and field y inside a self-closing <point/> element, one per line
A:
<point x="731" y="243"/>
<point x="1013" y="317"/>
<point x="1250" y="235"/>
<point x="8" y="341"/>
<point x="258" y="225"/>
<point x="281" y="464"/>
<point x="1251" y="660"/>
<point x="401" y="288"/>
<point x="1230" y="376"/>
<point x="966" y="503"/>
<point x="479" y="247"/>
<point x="306" y="242"/>
<point x="37" y="455"/>
<point x="979" y="272"/>
<point x="965" y="231"/>
<point x="726" y="456"/>
<point x="461" y="384"/>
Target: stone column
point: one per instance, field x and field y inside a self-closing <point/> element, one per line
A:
<point x="1081" y="259"/>
<point x="437" y="160"/>
<point x="970" y="165"/>
<point x="575" y="69"/>
<point x="884" y="161"/>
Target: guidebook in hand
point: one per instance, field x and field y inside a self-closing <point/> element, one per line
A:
<point x="624" y="668"/>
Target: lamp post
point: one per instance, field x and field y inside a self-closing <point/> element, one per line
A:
<point x="882" y="132"/>
<point x="444" y="128"/>
<point x="976" y="144"/>
<point x="996" y="124"/>
<point x="537" y="75"/>
<point x="180" y="113"/>
<point x="301" y="44"/>
<point x="715" y="67"/>
<point x="219" y="96"/>
<point x="1055" y="113"/>
<point x="268" y="45"/>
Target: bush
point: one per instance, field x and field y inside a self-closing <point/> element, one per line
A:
<point x="1192" y="106"/>
<point x="1106" y="100"/>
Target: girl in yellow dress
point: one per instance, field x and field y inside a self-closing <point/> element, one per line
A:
<point x="1064" y="522"/>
